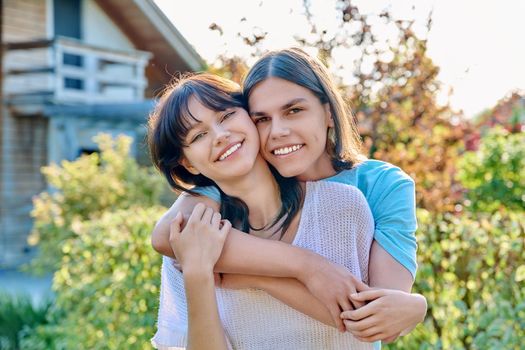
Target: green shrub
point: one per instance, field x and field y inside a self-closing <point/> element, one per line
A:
<point x="86" y="188"/>
<point x="472" y="272"/>
<point x="107" y="286"/>
<point x="94" y="233"/>
<point x="18" y="313"/>
<point x="494" y="175"/>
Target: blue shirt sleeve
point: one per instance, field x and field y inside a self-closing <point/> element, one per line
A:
<point x="391" y="195"/>
<point x="209" y="191"/>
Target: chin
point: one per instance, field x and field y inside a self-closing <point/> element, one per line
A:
<point x="288" y="171"/>
<point x="241" y="169"/>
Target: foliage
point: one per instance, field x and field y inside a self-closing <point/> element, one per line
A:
<point x="392" y="89"/>
<point x="84" y="189"/>
<point x="404" y="125"/>
<point x="107" y="286"/>
<point x="494" y="175"/>
<point x="394" y="97"/>
<point x="93" y="229"/>
<point x="18" y="313"/>
<point x="233" y="68"/>
<point x="472" y="272"/>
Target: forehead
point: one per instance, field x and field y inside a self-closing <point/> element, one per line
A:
<point x="197" y="110"/>
<point x="274" y="93"/>
<point x="198" y="113"/>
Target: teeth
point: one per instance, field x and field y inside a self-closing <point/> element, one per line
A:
<point x="230" y="151"/>
<point x="287" y="150"/>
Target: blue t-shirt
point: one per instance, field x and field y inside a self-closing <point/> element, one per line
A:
<point x="390" y="193"/>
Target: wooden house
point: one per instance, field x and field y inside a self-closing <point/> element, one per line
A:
<point x="72" y="69"/>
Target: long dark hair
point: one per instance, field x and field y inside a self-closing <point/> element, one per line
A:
<point x="344" y="144"/>
<point x="169" y="124"/>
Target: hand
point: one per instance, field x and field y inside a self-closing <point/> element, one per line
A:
<point x="387" y="315"/>
<point x="199" y="244"/>
<point x="333" y="284"/>
<point x="183" y="222"/>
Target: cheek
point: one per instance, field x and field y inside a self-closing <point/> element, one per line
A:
<point x="262" y="132"/>
<point x="196" y="155"/>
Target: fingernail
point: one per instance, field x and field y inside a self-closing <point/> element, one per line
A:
<point x="354" y="295"/>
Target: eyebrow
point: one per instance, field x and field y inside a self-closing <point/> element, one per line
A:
<point x="283" y="107"/>
<point x="192" y="126"/>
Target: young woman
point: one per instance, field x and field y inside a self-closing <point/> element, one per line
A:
<point x="306" y="132"/>
<point x="200" y="135"/>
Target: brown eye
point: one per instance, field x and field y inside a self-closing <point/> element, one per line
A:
<point x="228" y="115"/>
<point x="197" y="137"/>
<point x="261" y="120"/>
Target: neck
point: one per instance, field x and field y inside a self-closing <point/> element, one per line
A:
<point x="322" y="169"/>
<point x="259" y="190"/>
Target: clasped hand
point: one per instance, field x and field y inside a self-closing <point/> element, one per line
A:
<point x="387" y="314"/>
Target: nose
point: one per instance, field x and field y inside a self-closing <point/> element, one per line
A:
<point x="221" y="135"/>
<point x="279" y="128"/>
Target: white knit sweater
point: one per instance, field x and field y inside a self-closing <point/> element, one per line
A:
<point x="336" y="223"/>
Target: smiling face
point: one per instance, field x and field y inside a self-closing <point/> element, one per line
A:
<point x="221" y="145"/>
<point x="293" y="126"/>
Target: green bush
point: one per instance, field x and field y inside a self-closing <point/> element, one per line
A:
<point x="93" y="231"/>
<point x="18" y="313"/>
<point x="107" y="286"/>
<point x="472" y="272"/>
<point x="84" y="189"/>
<point x="494" y="175"/>
<point x="472" y="264"/>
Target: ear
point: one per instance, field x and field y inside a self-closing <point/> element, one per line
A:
<point x="328" y="114"/>
<point x="186" y="164"/>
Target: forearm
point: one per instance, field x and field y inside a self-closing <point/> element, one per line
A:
<point x="242" y="253"/>
<point x="386" y="272"/>
<point x="204" y="326"/>
<point x="420" y="303"/>
<point x="250" y="255"/>
<point x="294" y="294"/>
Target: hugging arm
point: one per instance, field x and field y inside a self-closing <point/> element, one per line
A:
<point x="391" y="310"/>
<point x="245" y="254"/>
<point x="242" y="253"/>
<point x="323" y="284"/>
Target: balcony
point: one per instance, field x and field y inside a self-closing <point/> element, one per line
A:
<point x="65" y="70"/>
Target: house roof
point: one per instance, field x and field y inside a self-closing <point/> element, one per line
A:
<point x="150" y="30"/>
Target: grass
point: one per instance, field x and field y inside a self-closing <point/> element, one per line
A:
<point x="18" y="313"/>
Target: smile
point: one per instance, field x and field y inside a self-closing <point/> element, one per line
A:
<point x="229" y="151"/>
<point x="286" y="150"/>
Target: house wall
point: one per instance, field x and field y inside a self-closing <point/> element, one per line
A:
<point x="23" y="152"/>
<point x="98" y="29"/>
<point x="23" y="143"/>
<point x="30" y="142"/>
<point x="25" y="20"/>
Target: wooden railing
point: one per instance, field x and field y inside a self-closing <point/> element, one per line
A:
<point x="68" y="70"/>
